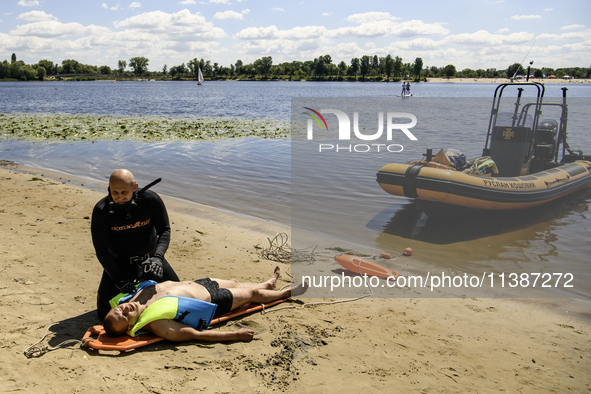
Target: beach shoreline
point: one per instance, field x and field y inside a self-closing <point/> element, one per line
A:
<point x="50" y="275"/>
<point x="507" y="80"/>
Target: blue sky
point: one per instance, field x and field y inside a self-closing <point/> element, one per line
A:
<point x="468" y="34"/>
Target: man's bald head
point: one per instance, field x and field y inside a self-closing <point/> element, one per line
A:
<point x="122" y="176"/>
<point x="122" y="185"/>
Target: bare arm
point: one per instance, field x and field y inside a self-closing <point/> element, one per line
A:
<point x="178" y="332"/>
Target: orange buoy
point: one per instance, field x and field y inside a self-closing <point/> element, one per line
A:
<point x="407" y="252"/>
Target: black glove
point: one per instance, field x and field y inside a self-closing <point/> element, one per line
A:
<point x="126" y="287"/>
<point x="154" y="266"/>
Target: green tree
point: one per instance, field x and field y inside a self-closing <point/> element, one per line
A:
<point x="515" y="69"/>
<point x="450" y="70"/>
<point x="177" y="72"/>
<point x="417" y="67"/>
<point x="164" y="70"/>
<point x="239" y="67"/>
<point x="319" y="67"/>
<point x="4" y="69"/>
<point x="375" y="63"/>
<point x="121" y="64"/>
<point x="27" y="73"/>
<point x="50" y="67"/>
<point x="365" y="65"/>
<point x="139" y="64"/>
<point x="13" y="58"/>
<point x="355" y="66"/>
<point x="41" y="72"/>
<point x="105" y="70"/>
<point x="388" y="66"/>
<point x="70" y="66"/>
<point x="398" y="66"/>
<point x="327" y="60"/>
<point x="266" y="63"/>
<point x="193" y="66"/>
<point x="343" y="68"/>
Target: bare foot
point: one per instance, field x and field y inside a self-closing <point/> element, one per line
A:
<point x="272" y="283"/>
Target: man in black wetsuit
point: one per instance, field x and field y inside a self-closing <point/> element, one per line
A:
<point x="130" y="232"/>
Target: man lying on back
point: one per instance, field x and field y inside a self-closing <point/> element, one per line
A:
<point x="178" y="311"/>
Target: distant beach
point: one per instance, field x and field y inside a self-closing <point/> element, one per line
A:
<point x="507" y="80"/>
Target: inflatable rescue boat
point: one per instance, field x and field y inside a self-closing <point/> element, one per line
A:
<point x="526" y="162"/>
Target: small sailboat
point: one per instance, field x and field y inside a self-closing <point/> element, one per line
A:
<point x="200" y="77"/>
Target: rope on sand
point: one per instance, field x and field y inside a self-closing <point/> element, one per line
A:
<point x="279" y="250"/>
<point x="38" y="351"/>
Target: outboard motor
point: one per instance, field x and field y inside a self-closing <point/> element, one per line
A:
<point x="545" y="143"/>
<point x="545" y="139"/>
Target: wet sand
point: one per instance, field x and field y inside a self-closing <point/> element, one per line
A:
<point x="50" y="275"/>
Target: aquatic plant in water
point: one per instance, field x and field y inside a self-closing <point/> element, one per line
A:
<point x="67" y="127"/>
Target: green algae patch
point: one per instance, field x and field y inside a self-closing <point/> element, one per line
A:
<point x="66" y="127"/>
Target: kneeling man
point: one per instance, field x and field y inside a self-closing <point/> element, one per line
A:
<point x="178" y="311"/>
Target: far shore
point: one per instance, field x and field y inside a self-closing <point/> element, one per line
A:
<point x="507" y="80"/>
<point x="112" y="79"/>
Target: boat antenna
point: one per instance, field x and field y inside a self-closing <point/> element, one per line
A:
<point x="521" y="64"/>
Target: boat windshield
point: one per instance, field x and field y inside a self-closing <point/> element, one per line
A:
<point x="506" y="119"/>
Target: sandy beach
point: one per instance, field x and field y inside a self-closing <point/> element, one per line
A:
<point x="50" y="275"/>
<point x="507" y="80"/>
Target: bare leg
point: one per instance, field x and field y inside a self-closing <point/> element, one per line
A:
<point x="234" y="284"/>
<point x="243" y="296"/>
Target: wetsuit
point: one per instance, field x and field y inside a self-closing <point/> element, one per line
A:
<point x="123" y="237"/>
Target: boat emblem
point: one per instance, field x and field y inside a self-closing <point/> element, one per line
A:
<point x="508" y="133"/>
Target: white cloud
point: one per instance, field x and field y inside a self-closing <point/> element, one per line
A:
<point x="187" y="2"/>
<point x="583" y="36"/>
<point x="278" y="9"/>
<point x="503" y="30"/>
<point x="113" y="8"/>
<point x="388" y="27"/>
<point x="36" y="16"/>
<point x="134" y="5"/>
<point x="49" y="29"/>
<point x="228" y="15"/>
<point x="28" y="3"/>
<point x="370" y="17"/>
<point x="273" y="33"/>
<point x="258" y="33"/>
<point x="521" y="17"/>
<point x="220" y="1"/>
<point x="572" y="27"/>
<point x="179" y="26"/>
<point x="483" y="37"/>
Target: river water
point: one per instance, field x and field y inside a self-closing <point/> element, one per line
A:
<point x="334" y="196"/>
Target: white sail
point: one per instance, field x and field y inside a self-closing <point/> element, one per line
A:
<point x="199" y="77"/>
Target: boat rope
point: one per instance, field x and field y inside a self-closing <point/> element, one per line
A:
<point x="38" y="351"/>
<point x="279" y="250"/>
<point x="276" y="249"/>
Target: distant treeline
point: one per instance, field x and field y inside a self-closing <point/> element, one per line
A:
<point x="365" y="68"/>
